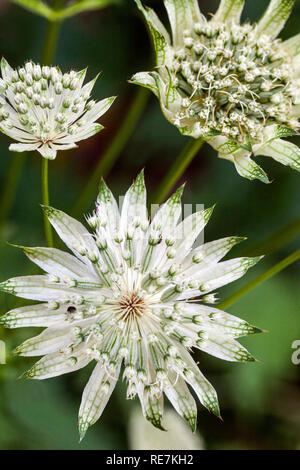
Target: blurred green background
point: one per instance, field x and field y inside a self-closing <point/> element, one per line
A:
<point x="259" y="401"/>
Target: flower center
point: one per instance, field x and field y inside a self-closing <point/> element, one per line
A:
<point x="132" y="306"/>
<point x="232" y="81"/>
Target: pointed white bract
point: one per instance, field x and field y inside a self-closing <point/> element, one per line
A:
<point x="45" y="110"/>
<point x="234" y="85"/>
<point x="134" y="296"/>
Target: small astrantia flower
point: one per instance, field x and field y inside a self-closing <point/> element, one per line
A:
<point x="46" y="110"/>
<point x="134" y="293"/>
<point x="235" y="86"/>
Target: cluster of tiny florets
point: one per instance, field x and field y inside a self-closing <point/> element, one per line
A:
<point x="47" y="110"/>
<point x="233" y="81"/>
<point x="48" y="91"/>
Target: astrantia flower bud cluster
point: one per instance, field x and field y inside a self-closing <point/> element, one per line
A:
<point x="46" y="110"/>
<point x="234" y="85"/>
<point x="135" y="294"/>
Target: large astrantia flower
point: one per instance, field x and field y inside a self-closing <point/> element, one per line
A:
<point x="47" y="110"/>
<point x="134" y="293"/>
<point x="235" y="86"/>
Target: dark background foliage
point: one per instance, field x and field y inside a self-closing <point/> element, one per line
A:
<point x="259" y="401"/>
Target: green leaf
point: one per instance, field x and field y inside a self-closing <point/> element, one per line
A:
<point x="80" y="6"/>
<point x="35" y="6"/>
<point x="212" y="133"/>
<point x="85" y="5"/>
<point x="228" y="147"/>
<point x="282" y="131"/>
<point x="146" y="80"/>
<point x="283" y="152"/>
<point x="249" y="169"/>
<point x="247" y="146"/>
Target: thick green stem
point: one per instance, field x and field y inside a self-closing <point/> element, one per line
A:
<point x="10" y="185"/>
<point x="50" y="42"/>
<point x="45" y="196"/>
<point x="107" y="161"/>
<point x="276" y="240"/>
<point x="260" y="279"/>
<point x="51" y="38"/>
<point x="177" y="169"/>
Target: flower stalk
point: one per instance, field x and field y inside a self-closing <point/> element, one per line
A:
<point x="51" y="39"/>
<point x="46" y="201"/>
<point x="177" y="169"/>
<point x="276" y="240"/>
<point x="260" y="279"/>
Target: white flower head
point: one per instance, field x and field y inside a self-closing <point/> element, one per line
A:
<point x="236" y="86"/>
<point x="47" y="110"/>
<point x="121" y="301"/>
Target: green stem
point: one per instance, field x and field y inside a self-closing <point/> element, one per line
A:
<point x="276" y="240"/>
<point x="45" y="196"/>
<point x="10" y="185"/>
<point x="51" y="38"/>
<point x="107" y="161"/>
<point x="260" y="279"/>
<point x="177" y="169"/>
